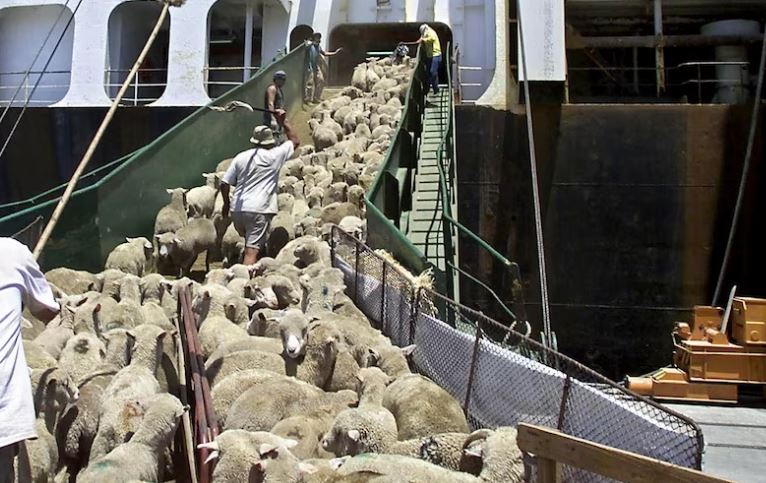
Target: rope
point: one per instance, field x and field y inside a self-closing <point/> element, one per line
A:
<point x="37" y="56"/>
<point x="745" y="173"/>
<point x="37" y="83"/>
<point x="548" y="339"/>
<point x="99" y="134"/>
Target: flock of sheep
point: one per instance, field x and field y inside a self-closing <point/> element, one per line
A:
<point x="304" y="386"/>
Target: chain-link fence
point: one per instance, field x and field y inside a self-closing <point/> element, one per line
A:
<point x="501" y="377"/>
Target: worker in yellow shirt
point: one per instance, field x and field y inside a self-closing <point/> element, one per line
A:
<point x="433" y="52"/>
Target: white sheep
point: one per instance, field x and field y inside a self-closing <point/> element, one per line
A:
<point x="133" y="257"/>
<point x="138" y="459"/>
<point x="172" y="216"/>
<point x="187" y="243"/>
<point x="201" y="200"/>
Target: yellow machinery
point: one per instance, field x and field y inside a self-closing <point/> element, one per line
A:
<point x="719" y="351"/>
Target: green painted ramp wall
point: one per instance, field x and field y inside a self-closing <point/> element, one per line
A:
<point x="125" y="201"/>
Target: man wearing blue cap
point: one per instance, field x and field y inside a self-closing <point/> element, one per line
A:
<point x="274" y="100"/>
<point x="316" y="65"/>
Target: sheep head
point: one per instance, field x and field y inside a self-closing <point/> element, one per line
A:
<point x="293" y="329"/>
<point x="166" y="242"/>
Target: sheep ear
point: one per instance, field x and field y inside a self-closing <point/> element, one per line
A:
<point x="131" y="334"/>
<point x="212" y="445"/>
<point x="212" y="456"/>
<point x="169" y="191"/>
<point x="473" y="451"/>
<point x="354" y="434"/>
<point x="266" y="448"/>
<point x="408" y="350"/>
<point x="97" y="308"/>
<point x="307" y="468"/>
<point x="128" y="239"/>
<point x="290" y="443"/>
<point x="250" y="302"/>
<point x="25" y="324"/>
<point x="148" y="245"/>
<point x="157" y="237"/>
<point x="176" y="240"/>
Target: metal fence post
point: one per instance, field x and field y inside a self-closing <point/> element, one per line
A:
<point x="383" y="299"/>
<point x="332" y="245"/>
<point x="564" y="400"/>
<point x="356" y="274"/>
<point x="472" y="372"/>
<point x="414" y="314"/>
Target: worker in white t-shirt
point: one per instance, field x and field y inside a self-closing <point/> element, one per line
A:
<point x="254" y="174"/>
<point x="21" y="284"/>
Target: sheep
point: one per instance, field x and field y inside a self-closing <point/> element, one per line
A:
<point x="129" y="289"/>
<point x="71" y="281"/>
<point x="133" y="382"/>
<point x="336" y="193"/>
<point x="219" y="276"/>
<point x="293" y="330"/>
<point x="187" y="243"/>
<point x="236" y="450"/>
<point x="404" y="398"/>
<point x="335" y="212"/>
<point x="215" y="328"/>
<point x="108" y="282"/>
<point x="83" y="354"/>
<point x="227" y="389"/>
<point x="359" y="77"/>
<point x="201" y="200"/>
<point x="272" y="291"/>
<point x="265" y="404"/>
<point x="366" y="429"/>
<point x="265" y="323"/>
<point x="139" y="458"/>
<point x="323" y="136"/>
<point x="386" y="467"/>
<point x="252" y="343"/>
<point x="307" y="432"/>
<point x="133" y="257"/>
<point x="173" y="216"/>
<point x="55" y="336"/>
<point x="37" y="357"/>
<point x="232" y="246"/>
<point x="281" y="232"/>
<point x="37" y="458"/>
<point x="354" y="226"/>
<point x="153" y="286"/>
<point x="304" y="251"/>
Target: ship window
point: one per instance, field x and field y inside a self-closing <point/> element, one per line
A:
<point x="22" y="33"/>
<point x="234" y="53"/>
<point x="130" y="25"/>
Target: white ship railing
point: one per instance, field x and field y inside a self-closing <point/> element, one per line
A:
<point x="142" y="90"/>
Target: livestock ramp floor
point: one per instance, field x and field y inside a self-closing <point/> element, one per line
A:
<point x="735" y="437"/>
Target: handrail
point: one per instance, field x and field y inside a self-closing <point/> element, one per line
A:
<point x="447" y="211"/>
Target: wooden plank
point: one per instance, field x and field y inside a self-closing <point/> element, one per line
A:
<point x="603" y="460"/>
<point x="548" y="471"/>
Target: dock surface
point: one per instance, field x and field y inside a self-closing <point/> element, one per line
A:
<point x="735" y="440"/>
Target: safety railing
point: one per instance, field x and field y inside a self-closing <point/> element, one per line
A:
<point x="19" y="86"/>
<point x="502" y="377"/>
<point x="696" y="82"/>
<point x="205" y="424"/>
<point x="445" y="156"/>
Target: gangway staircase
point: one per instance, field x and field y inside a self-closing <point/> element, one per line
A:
<point x="412" y="205"/>
<point x="424" y="224"/>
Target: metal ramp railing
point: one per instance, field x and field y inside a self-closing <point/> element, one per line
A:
<point x="412" y="205"/>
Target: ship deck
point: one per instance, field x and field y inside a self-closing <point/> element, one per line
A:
<point x="735" y="440"/>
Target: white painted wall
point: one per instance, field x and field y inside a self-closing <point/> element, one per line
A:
<point x="22" y="32"/>
<point x="473" y="22"/>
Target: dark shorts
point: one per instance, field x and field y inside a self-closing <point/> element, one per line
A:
<point x="253" y="226"/>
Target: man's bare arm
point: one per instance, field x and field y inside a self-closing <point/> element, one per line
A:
<point x="291" y="135"/>
<point x="271" y="96"/>
<point x="44" y="314"/>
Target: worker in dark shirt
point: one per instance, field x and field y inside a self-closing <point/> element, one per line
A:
<point x="274" y="100"/>
<point x="316" y="66"/>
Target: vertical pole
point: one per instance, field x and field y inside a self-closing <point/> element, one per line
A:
<point x="248" y="61"/>
<point x="636" y="87"/>
<point x="472" y="372"/>
<point x="135" y="91"/>
<point x="659" y="52"/>
<point x="356" y="273"/>
<point x="383" y="298"/>
<point x="699" y="84"/>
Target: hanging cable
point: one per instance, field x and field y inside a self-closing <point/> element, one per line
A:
<point x="745" y="173"/>
<point x="37" y="83"/>
<point x="102" y="129"/>
<point x="548" y="338"/>
<point x="34" y="61"/>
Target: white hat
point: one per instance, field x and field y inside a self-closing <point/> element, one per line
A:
<point x="262" y="136"/>
<point x="423" y="28"/>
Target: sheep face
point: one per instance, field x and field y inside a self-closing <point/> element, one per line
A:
<point x="264" y="297"/>
<point x="293" y="329"/>
<point x="166" y="243"/>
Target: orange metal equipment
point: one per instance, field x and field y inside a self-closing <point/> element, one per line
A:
<point x="710" y="364"/>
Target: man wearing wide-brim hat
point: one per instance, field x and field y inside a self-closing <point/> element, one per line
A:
<point x="254" y="174"/>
